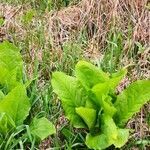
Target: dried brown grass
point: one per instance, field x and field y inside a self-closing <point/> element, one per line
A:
<point x="100" y="18"/>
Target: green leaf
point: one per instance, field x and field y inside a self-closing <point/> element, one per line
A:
<point x="89" y="75"/>
<point x="109" y="128"/>
<point x="131" y="100"/>
<point x="99" y="142"/>
<point x="42" y="128"/>
<point x="1" y="95"/>
<point x="72" y="95"/>
<point x="6" y="123"/>
<point x="90" y="103"/>
<point x="110" y="135"/>
<point x="101" y="91"/>
<point x="122" y="138"/>
<point x="116" y="78"/>
<point x="88" y="115"/>
<point x="16" y="104"/>
<point x="3" y="123"/>
<point x="10" y="56"/>
<point x="108" y="106"/>
<point x="9" y="79"/>
<point x="11" y="65"/>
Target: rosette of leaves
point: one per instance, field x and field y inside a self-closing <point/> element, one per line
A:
<point x="90" y="102"/>
<point x="14" y="101"/>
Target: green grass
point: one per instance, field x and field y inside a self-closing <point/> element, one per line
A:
<point x="42" y="5"/>
<point x="44" y="101"/>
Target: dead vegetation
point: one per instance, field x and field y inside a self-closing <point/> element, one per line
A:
<point x="98" y="18"/>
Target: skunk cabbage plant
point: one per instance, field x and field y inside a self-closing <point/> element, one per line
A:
<point x="90" y="101"/>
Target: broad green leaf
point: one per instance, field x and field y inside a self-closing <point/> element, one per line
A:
<point x="10" y="56"/>
<point x="9" y="79"/>
<point x="3" y="123"/>
<point x="42" y="128"/>
<point x="108" y="106"/>
<point x="90" y="103"/>
<point x="110" y="135"/>
<point x="122" y="138"/>
<point x="109" y="128"/>
<point x="101" y="91"/>
<point x="89" y="75"/>
<point x="72" y="95"/>
<point x="115" y="136"/>
<point x="88" y="115"/>
<point x="99" y="142"/>
<point x="1" y="95"/>
<point x="71" y="114"/>
<point x="131" y="100"/>
<point x="116" y="78"/>
<point x="16" y="104"/>
<point x="11" y="65"/>
<point x="6" y="123"/>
